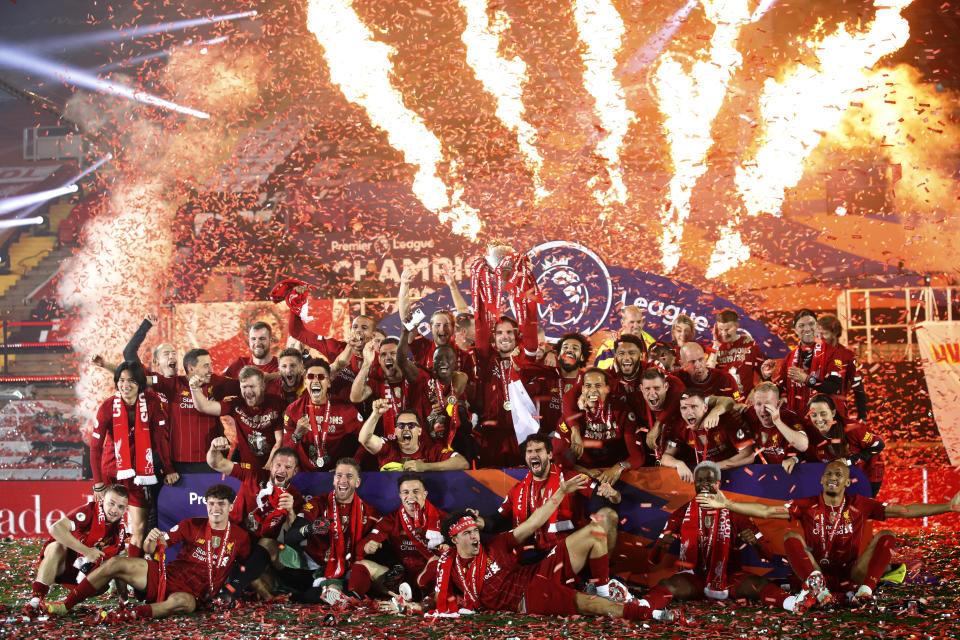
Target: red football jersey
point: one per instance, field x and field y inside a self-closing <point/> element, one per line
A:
<point x="741" y="359"/>
<point x="722" y="442"/>
<point x="206" y="558"/>
<point x="252" y="508"/>
<point x="391" y="528"/>
<point x="103" y="459"/>
<point x="835" y="532"/>
<point x="738" y="523"/>
<point x="717" y="383"/>
<point x="428" y="451"/>
<point x="336" y="439"/>
<point x="191" y="432"/>
<point x="271" y="366"/>
<point x="256" y="426"/>
<point x="771" y="445"/>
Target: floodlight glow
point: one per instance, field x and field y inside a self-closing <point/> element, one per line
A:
<point x="655" y="45"/>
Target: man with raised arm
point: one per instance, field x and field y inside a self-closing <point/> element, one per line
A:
<point x="210" y="548"/>
<point x="542" y="479"/>
<point x="265" y="504"/>
<point x="408" y="449"/>
<point x="258" y="415"/>
<point x="826" y="555"/>
<point x="489" y="577"/>
<point x="709" y="564"/>
<point x="441" y="329"/>
<point x="385" y="382"/>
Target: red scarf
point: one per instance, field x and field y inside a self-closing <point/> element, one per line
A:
<point x="98" y="529"/>
<point x="267" y="514"/>
<point x="529" y="500"/>
<point x="397" y="403"/>
<point x="471" y="579"/>
<point x="452" y="409"/>
<point x="424" y="522"/>
<point x="141" y="468"/>
<point x="715" y="545"/>
<point x="337" y="564"/>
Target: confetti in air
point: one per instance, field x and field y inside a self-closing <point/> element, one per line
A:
<point x="601" y="32"/>
<point x="361" y="67"/>
<point x="689" y="102"/>
<point x="503" y="77"/>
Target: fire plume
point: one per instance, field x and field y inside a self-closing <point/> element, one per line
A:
<point x="689" y="103"/>
<point x="601" y="32"/>
<point x="502" y="77"/>
<point x="361" y="67"/>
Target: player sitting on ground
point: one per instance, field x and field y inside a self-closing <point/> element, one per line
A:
<point x="80" y="542"/>
<point x="709" y="557"/>
<point x="826" y="555"/>
<point x="210" y="548"/>
<point x="489" y="576"/>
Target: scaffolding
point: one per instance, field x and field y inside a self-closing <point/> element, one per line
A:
<point x="859" y="313"/>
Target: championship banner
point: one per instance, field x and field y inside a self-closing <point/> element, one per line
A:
<point x="650" y="495"/>
<point x="582" y="293"/>
<point x="222" y="327"/>
<point x="939" y="344"/>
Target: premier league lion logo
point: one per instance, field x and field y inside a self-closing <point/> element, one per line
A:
<point x="575" y="285"/>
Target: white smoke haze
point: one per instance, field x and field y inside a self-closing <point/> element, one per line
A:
<point x="120" y="272"/>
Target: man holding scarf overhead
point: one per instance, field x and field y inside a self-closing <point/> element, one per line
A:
<point x="130" y="437"/>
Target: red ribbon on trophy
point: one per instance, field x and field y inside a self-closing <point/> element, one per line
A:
<point x="502" y="270"/>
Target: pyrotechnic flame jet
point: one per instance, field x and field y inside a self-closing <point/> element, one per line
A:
<point x="502" y="77"/>
<point x="808" y="101"/>
<point x="361" y="67"/>
<point x="689" y="103"/>
<point x="601" y="31"/>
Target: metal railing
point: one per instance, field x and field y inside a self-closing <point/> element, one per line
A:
<point x="916" y="304"/>
<point x="8" y="348"/>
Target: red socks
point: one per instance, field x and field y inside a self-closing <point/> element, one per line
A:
<point x="773" y="595"/>
<point x="658" y="597"/>
<point x="80" y="593"/>
<point x="359" y="579"/>
<point x="40" y="590"/>
<point x="600" y="569"/>
<point x="879" y="560"/>
<point x="634" y="611"/>
<point x="799" y="560"/>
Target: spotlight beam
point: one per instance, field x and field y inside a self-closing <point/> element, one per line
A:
<point x="17" y="202"/>
<point x="6" y="224"/>
<point x="96" y="38"/>
<point x="80" y="176"/>
<point x="12" y="58"/>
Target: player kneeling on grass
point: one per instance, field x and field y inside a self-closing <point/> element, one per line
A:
<point x="210" y="548"/>
<point x="826" y="556"/>
<point x="709" y="556"/>
<point x="80" y="542"/>
<point x="489" y="576"/>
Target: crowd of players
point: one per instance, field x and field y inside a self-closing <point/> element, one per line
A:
<point x="474" y="394"/>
